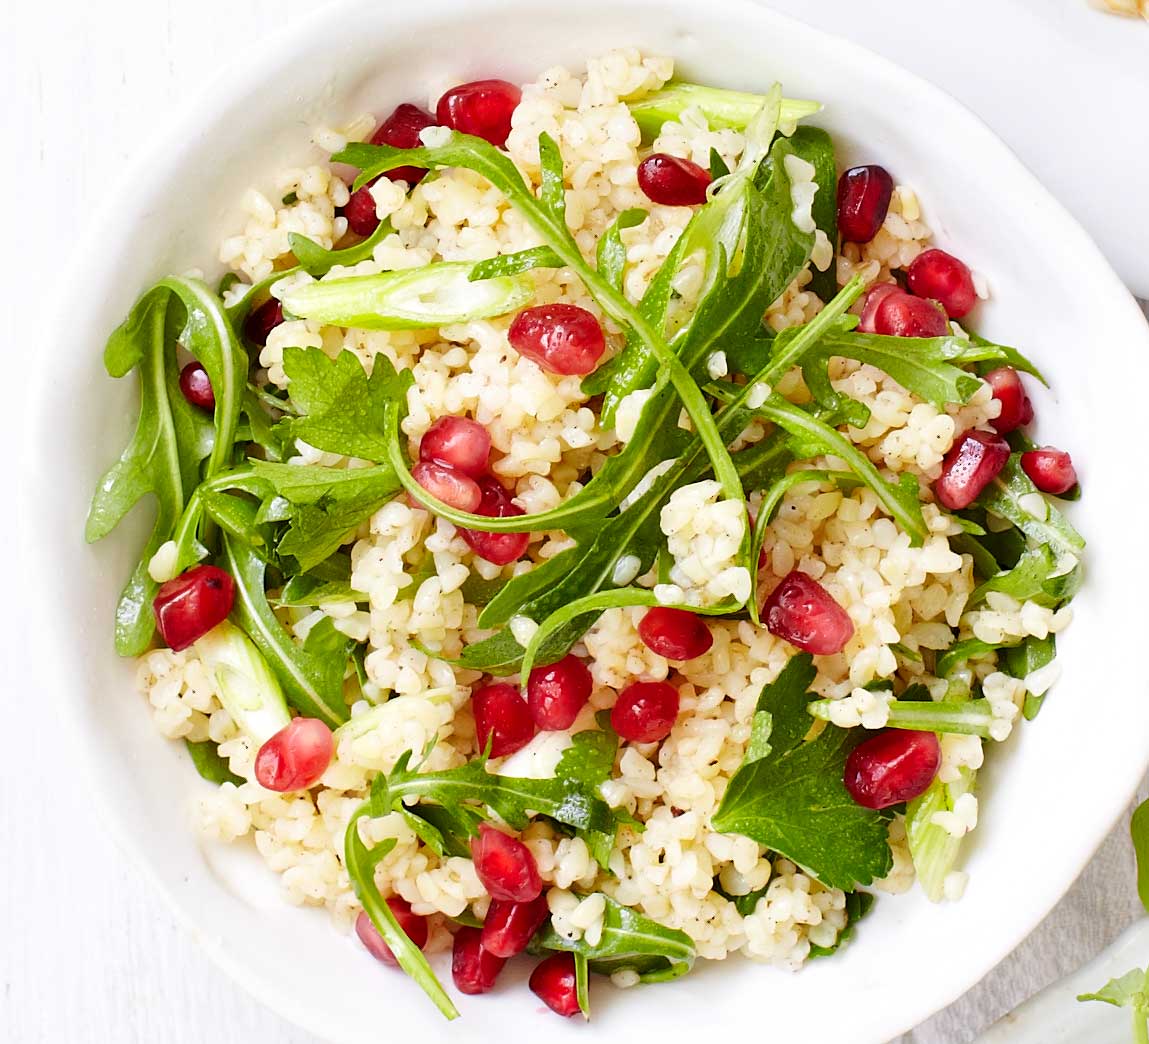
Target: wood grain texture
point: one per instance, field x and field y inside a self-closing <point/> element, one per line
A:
<point x="89" y="953"/>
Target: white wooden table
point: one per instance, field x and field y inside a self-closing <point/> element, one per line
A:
<point x="87" y="950"/>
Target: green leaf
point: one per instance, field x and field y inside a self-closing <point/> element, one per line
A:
<point x="208" y="763"/>
<point x="514" y="264"/>
<point x="306" y="589"/>
<point x="793" y="800"/>
<point x="409" y="299"/>
<point x="360" y="862"/>
<point x="722" y="108"/>
<point x="629" y="942"/>
<point x="311" y="674"/>
<point x="611" y="254"/>
<point x="582" y="983"/>
<point x="815" y="146"/>
<point x="317" y="261"/>
<point x="858" y="904"/>
<point x="343" y="408"/>
<point x="961" y="652"/>
<point x="1024" y="581"/>
<point x="1139" y="832"/>
<point x="1131" y="990"/>
<point x="1011" y="495"/>
<point x="174" y="441"/>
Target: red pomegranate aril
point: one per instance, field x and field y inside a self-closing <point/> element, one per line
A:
<point x="505" y="866"/>
<point x="473" y="968"/>
<point x="1016" y="409"/>
<point x="874" y="297"/>
<point x="1050" y="470"/>
<point x="499" y="548"/>
<point x="675" y="633"/>
<point x="645" y="711"/>
<point x="482" y="108"/>
<point x="359" y="210"/>
<point x="672" y="181"/>
<point x="943" y="277"/>
<point x="562" y="338"/>
<point x="509" y="927"/>
<point x="196" y="386"/>
<point x="801" y="611"/>
<point x="894" y="766"/>
<point x="458" y="442"/>
<point x="902" y="315"/>
<point x="554" y="982"/>
<point x="448" y="485"/>
<point x="262" y="321"/>
<point x="502" y="718"/>
<point x="401" y="130"/>
<point x="189" y="606"/>
<point x="556" y="693"/>
<point x="863" y="202"/>
<point x="295" y="757"/>
<point x="414" y="927"/>
<point x="971" y="464"/>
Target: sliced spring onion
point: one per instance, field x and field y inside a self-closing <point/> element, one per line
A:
<point x="431" y="295"/>
<point x="248" y="690"/>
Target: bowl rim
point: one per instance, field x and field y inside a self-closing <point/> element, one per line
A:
<point x="162" y="154"/>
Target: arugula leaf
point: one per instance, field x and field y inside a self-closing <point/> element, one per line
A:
<point x="513" y="264"/>
<point x="208" y="763"/>
<point x="1024" y="581"/>
<point x="611" y="254"/>
<point x="1139" y="833"/>
<point x="792" y="800"/>
<point x="172" y="437"/>
<point x="630" y="942"/>
<point x="1012" y="496"/>
<point x="317" y="261"/>
<point x="408" y="299"/>
<point x="571" y="797"/>
<point x="306" y="589"/>
<point x="343" y="408"/>
<point x="722" y="108"/>
<point x="961" y="652"/>
<point x="1131" y="990"/>
<point x="815" y="146"/>
<point x="360" y="862"/>
<point x="311" y="674"/>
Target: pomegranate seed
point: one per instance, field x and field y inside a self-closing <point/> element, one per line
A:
<point x="401" y="130"/>
<point x="971" y="464"/>
<point x="414" y="927"/>
<point x="555" y="694"/>
<point x="801" y="611"/>
<point x="892" y="767"/>
<point x="675" y="633"/>
<point x="473" y="968"/>
<point x="192" y="604"/>
<point x="645" y="711"/>
<point x="874" y="297"/>
<point x="448" y="485"/>
<point x="1050" y="470"/>
<point x="942" y="277"/>
<point x="505" y="866"/>
<point x="509" y="927"/>
<point x="196" y="386"/>
<point x="902" y="315"/>
<point x="482" y="108"/>
<point x="499" y="548"/>
<point x="503" y="718"/>
<point x="295" y="757"/>
<point x="554" y="982"/>
<point x="1016" y="409"/>
<point x="459" y="443"/>
<point x="863" y="201"/>
<point x="262" y="321"/>
<point x="561" y="338"/>
<point x="362" y="217"/>
<point x="673" y="182"/>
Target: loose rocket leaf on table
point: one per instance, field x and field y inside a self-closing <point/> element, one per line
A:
<point x="793" y="800"/>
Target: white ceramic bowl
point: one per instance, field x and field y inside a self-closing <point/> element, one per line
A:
<point x="1049" y="796"/>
